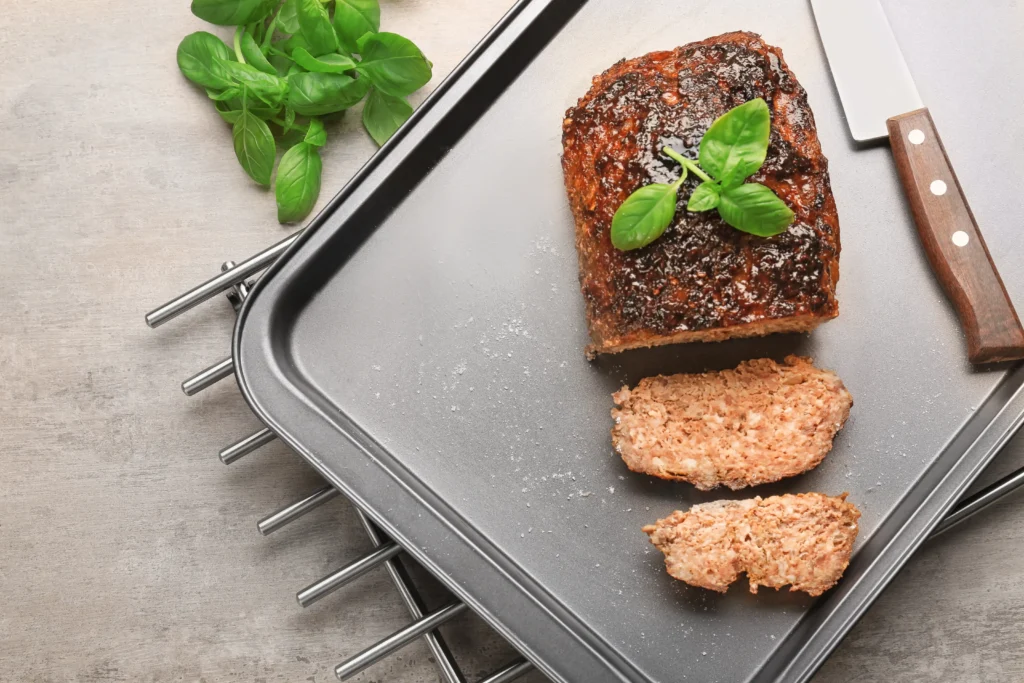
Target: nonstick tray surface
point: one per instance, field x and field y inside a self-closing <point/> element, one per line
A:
<point x="422" y="345"/>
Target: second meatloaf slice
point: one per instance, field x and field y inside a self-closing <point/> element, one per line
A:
<point x="756" y="424"/>
<point x="803" y="541"/>
<point x="702" y="280"/>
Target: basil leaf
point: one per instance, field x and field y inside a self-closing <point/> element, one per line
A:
<point x="355" y="18"/>
<point x="384" y="114"/>
<point x="227" y="113"/>
<point x="644" y="216"/>
<point x="232" y="12"/>
<point x="255" y="29"/>
<point x="253" y="55"/>
<point x="313" y="94"/>
<point x="290" y="138"/>
<point x="361" y="43"/>
<point x="315" y="27"/>
<point x="230" y="110"/>
<point x="289" y="119"/>
<point x="754" y="208"/>
<point x="332" y="63"/>
<point x="288" y="17"/>
<point x="290" y="43"/>
<point x="196" y="55"/>
<point x="269" y="88"/>
<point x="705" y="197"/>
<point x="315" y="134"/>
<point x="298" y="182"/>
<point x="736" y="144"/>
<point x="254" y="146"/>
<point x="232" y="93"/>
<point x="281" y="63"/>
<point x="394" y="64"/>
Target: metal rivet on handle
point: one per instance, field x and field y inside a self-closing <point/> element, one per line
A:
<point x="938" y="188"/>
<point x="961" y="238"/>
<point x="916" y="137"/>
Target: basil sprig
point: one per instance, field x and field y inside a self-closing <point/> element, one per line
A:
<point x="647" y="213"/>
<point x="732" y="150"/>
<point x="291" y="62"/>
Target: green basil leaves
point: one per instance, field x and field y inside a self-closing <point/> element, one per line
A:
<point x="268" y="88"/>
<point x="384" y="114"/>
<point x="315" y="26"/>
<point x="316" y="94"/>
<point x="315" y="133"/>
<point x="290" y="63"/>
<point x="733" y="149"/>
<point x="355" y="18"/>
<point x="754" y="208"/>
<point x="645" y="215"/>
<point x="254" y="146"/>
<point x="232" y="12"/>
<point x="298" y="182"/>
<point x="288" y="17"/>
<point x="324" y="64"/>
<point x="705" y="197"/>
<point x="736" y="144"/>
<point x="394" y="64"/>
<point x="254" y="55"/>
<point x="196" y="55"/>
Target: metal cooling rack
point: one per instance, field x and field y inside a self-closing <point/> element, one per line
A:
<point x="235" y="280"/>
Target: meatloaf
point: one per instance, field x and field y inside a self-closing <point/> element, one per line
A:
<point x="803" y="541"/>
<point x="702" y="280"/>
<point x="758" y="423"/>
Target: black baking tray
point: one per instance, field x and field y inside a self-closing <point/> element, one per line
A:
<point x="422" y="346"/>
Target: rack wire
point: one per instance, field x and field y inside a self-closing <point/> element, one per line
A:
<point x="234" y="280"/>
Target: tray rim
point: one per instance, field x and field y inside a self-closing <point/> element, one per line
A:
<point x="965" y="455"/>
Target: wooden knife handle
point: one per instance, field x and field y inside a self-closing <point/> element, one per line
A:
<point x="953" y="242"/>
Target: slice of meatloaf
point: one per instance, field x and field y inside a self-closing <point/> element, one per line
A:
<point x="702" y="280"/>
<point x="803" y="541"/>
<point x="758" y="423"/>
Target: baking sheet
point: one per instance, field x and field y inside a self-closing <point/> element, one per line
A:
<point x="422" y="346"/>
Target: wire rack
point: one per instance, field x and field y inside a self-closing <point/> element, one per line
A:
<point x="235" y="281"/>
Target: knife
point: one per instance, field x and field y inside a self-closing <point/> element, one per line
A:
<point x="881" y="100"/>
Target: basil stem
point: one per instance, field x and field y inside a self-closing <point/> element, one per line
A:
<point x="268" y="36"/>
<point x="238" y="44"/>
<point x="687" y="164"/>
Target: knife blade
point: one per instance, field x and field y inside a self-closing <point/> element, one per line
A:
<point x="880" y="100"/>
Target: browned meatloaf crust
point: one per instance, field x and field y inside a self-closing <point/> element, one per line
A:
<point x="758" y="423"/>
<point x="803" y="541"/>
<point x="702" y="280"/>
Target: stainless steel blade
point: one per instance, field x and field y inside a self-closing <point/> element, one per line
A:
<point x="873" y="80"/>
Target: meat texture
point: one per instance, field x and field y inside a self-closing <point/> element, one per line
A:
<point x="803" y="541"/>
<point x="702" y="280"/>
<point x="758" y="423"/>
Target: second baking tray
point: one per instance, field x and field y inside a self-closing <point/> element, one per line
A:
<point x="422" y="346"/>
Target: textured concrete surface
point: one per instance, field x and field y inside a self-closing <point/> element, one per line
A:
<point x="127" y="552"/>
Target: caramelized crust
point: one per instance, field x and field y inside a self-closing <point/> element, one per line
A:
<point x="702" y="280"/>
